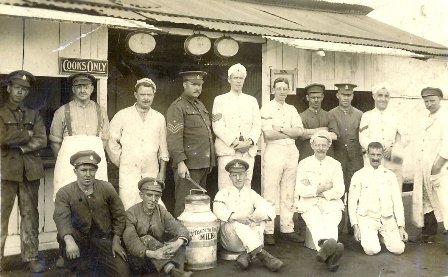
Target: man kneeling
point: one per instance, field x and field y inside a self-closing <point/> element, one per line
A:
<point x="147" y="226"/>
<point x="320" y="185"/>
<point x="90" y="220"/>
<point x="375" y="205"/>
<point x="243" y="213"/>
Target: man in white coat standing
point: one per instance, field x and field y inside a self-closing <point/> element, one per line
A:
<point x="430" y="197"/>
<point x="237" y="126"/>
<point x="137" y="143"/>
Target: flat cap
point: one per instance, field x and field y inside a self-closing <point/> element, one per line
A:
<point x="85" y="157"/>
<point x="22" y="78"/>
<point x="237" y="68"/>
<point x="345" y="87"/>
<point x="150" y="183"/>
<point x="147" y="82"/>
<point x="321" y="134"/>
<point x="430" y="91"/>
<point x="315" y="88"/>
<point x="237" y="165"/>
<point x="196" y="77"/>
<point x="81" y="79"/>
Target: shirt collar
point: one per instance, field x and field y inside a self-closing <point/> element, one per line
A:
<point x="234" y="93"/>
<point x="146" y="211"/>
<point x="189" y="98"/>
<point x="315" y="111"/>
<point x="349" y="110"/>
<point x="370" y="167"/>
<point x="83" y="106"/>
<point x="135" y="106"/>
<point x="89" y="191"/>
<point x="15" y="107"/>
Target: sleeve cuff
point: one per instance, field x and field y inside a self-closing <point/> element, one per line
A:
<point x="55" y="139"/>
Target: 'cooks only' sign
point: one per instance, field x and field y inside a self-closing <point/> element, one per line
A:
<point x="72" y="65"/>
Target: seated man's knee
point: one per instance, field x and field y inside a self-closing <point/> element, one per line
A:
<point x="371" y="249"/>
<point x="397" y="249"/>
<point x="371" y="252"/>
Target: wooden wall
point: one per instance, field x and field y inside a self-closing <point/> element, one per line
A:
<point x="407" y="77"/>
<point x="36" y="45"/>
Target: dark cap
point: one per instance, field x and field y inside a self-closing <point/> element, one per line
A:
<point x="315" y="88"/>
<point x="429" y="91"/>
<point x="85" y="157"/>
<point x="237" y="165"/>
<point x="81" y="79"/>
<point x="22" y="78"/>
<point x="196" y="77"/>
<point x="150" y="183"/>
<point x="345" y="87"/>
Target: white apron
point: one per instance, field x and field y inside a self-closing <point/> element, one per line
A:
<point x="63" y="170"/>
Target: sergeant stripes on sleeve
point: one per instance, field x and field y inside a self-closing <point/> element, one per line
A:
<point x="174" y="128"/>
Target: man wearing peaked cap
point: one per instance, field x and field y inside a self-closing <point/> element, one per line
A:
<point x="90" y="220"/>
<point x="22" y="135"/>
<point x="189" y="138"/>
<point x="430" y="176"/>
<point x="137" y="143"/>
<point x="243" y="214"/>
<point x="281" y="126"/>
<point x="344" y="122"/>
<point x="237" y="125"/>
<point x="150" y="249"/>
<point x="79" y="124"/>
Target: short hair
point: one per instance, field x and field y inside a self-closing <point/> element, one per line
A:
<point x="281" y="80"/>
<point x="374" y="145"/>
<point x="380" y="86"/>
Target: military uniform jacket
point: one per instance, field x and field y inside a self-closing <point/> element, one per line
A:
<point x="18" y="149"/>
<point x="189" y="135"/>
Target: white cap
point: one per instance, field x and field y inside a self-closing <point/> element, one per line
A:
<point x="380" y="86"/>
<point x="147" y="82"/>
<point x="321" y="134"/>
<point x="237" y="68"/>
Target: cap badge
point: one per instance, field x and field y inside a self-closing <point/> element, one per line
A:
<point x="24" y="77"/>
<point x="346" y="87"/>
<point x="237" y="165"/>
<point x="91" y="157"/>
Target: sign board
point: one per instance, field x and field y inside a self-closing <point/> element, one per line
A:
<point x="73" y="65"/>
<point x="290" y="75"/>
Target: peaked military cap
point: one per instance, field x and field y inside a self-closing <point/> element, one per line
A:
<point x="315" y="88"/>
<point x="22" y="78"/>
<point x="85" y="157"/>
<point x="81" y="79"/>
<point x="150" y="183"/>
<point x="196" y="77"/>
<point x="430" y="91"/>
<point x="345" y="87"/>
<point x="237" y="165"/>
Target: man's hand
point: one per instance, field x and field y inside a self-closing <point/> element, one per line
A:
<point x="240" y="218"/>
<point x="306" y="182"/>
<point x="71" y="248"/>
<point x="324" y="187"/>
<point x="257" y="218"/>
<point x="173" y="246"/>
<point x="182" y="170"/>
<point x="435" y="179"/>
<point x="30" y="133"/>
<point x="403" y="234"/>
<point x="161" y="176"/>
<point x="276" y="128"/>
<point x="117" y="248"/>
<point x="357" y="232"/>
<point x="243" y="146"/>
<point x="388" y="152"/>
<point x="159" y="254"/>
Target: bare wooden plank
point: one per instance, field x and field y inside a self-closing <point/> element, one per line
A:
<point x="304" y="67"/>
<point x="11" y="44"/>
<point x="342" y="63"/>
<point x="368" y="72"/>
<point x="357" y="70"/>
<point x="69" y="40"/>
<point x="102" y="42"/>
<point x="40" y="47"/>
<point x="265" y="73"/>
<point x="49" y="224"/>
<point x="94" y="36"/>
<point x="14" y="219"/>
<point x="86" y="37"/>
<point x="322" y="69"/>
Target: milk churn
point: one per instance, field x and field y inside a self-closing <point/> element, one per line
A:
<point x="203" y="227"/>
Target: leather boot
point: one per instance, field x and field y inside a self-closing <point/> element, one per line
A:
<point x="269" y="261"/>
<point x="327" y="248"/>
<point x="269" y="239"/>
<point x="36" y="267"/>
<point x="333" y="261"/>
<point x="243" y="261"/>
<point x="175" y="272"/>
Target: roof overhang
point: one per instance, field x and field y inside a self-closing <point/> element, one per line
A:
<point x="343" y="47"/>
<point x="65" y="16"/>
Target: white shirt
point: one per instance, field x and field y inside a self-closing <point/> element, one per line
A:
<point x="319" y="172"/>
<point x="284" y="115"/>
<point x="375" y="193"/>
<point x="379" y="126"/>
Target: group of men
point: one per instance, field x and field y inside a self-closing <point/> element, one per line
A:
<point x="313" y="162"/>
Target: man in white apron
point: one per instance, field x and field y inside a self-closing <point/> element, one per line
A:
<point x="137" y="143"/>
<point x="78" y="125"/>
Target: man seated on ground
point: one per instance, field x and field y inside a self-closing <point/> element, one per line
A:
<point x="90" y="220"/>
<point x="320" y="185"/>
<point x="375" y="205"/>
<point x="243" y="214"/>
<point x="148" y="224"/>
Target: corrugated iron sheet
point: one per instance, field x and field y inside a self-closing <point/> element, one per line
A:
<point x="254" y="19"/>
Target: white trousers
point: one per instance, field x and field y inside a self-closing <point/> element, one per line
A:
<point x="223" y="175"/>
<point x="238" y="237"/>
<point x="279" y="179"/>
<point x="322" y="224"/>
<point x="387" y="227"/>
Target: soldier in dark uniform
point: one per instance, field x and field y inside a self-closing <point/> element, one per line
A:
<point x="189" y="138"/>
<point x="22" y="134"/>
<point x="344" y="122"/>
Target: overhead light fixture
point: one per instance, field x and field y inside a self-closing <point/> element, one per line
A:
<point x="320" y="53"/>
<point x="226" y="47"/>
<point x="197" y="45"/>
<point x="140" y="43"/>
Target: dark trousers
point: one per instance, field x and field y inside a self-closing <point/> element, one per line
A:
<point x="28" y="196"/>
<point x="96" y="257"/>
<point x="183" y="187"/>
<point x="430" y="224"/>
<point x="145" y="265"/>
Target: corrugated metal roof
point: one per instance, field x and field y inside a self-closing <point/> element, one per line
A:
<point x="254" y="19"/>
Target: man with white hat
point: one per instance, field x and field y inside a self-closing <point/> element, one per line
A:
<point x="137" y="143"/>
<point x="382" y="125"/>
<point x="237" y="126"/>
<point x="319" y="188"/>
<point x="243" y="214"/>
<point x="81" y="124"/>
